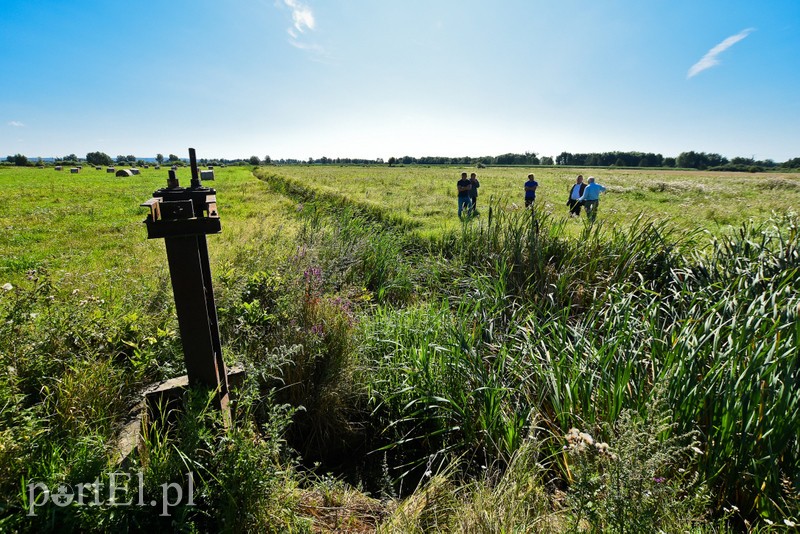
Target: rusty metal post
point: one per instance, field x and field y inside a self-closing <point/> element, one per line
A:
<point x="183" y="217"/>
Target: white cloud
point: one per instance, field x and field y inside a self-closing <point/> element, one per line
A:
<point x="710" y="59"/>
<point x="302" y="17"/>
<point x="16" y="124"/>
<point x="302" y="21"/>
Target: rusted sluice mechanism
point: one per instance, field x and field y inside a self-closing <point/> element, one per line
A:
<point x="182" y="217"/>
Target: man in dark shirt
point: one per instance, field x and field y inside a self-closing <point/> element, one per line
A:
<point x="464" y="187"/>
<point x="530" y="190"/>
<point x="575" y="192"/>
<point x="473" y="193"/>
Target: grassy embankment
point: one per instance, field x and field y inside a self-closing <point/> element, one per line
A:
<point x="465" y="361"/>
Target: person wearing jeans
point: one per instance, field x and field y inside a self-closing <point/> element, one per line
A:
<point x="464" y="201"/>
<point x="591" y="198"/>
<point x="473" y="193"/>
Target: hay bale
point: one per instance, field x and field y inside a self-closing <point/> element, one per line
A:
<point x="134" y="170"/>
<point x="206" y="175"/>
<point x="124" y="172"/>
<point x="74" y="170"/>
<point x="57" y="167"/>
<point x="98" y="167"/>
<point x="110" y="169"/>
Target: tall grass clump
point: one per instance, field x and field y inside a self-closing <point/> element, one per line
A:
<point x="544" y="265"/>
<point x="231" y="479"/>
<point x="730" y="357"/>
<point x="73" y="362"/>
<point x="588" y="370"/>
<point x="302" y="340"/>
<point x="620" y="314"/>
<point x="508" y="346"/>
<point x="355" y="251"/>
<point x="639" y="481"/>
<point x="442" y="391"/>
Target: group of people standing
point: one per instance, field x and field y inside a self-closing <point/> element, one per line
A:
<point x="468" y="194"/>
<point x="586" y="195"/>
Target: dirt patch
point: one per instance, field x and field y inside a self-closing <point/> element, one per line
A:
<point x="346" y="511"/>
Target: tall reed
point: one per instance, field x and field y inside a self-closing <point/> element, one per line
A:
<point x="574" y="332"/>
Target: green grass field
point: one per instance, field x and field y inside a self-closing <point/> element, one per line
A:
<point x="425" y="196"/>
<point x="89" y="226"/>
<point x="91" y="223"/>
<point x="409" y="372"/>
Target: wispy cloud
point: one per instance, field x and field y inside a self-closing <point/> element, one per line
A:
<point x="16" y="124"/>
<point x="302" y="18"/>
<point x="710" y="59"/>
<point x="304" y="22"/>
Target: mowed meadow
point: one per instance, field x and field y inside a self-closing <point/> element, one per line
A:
<point x="407" y="371"/>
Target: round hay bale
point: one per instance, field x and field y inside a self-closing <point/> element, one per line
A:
<point x="124" y="172"/>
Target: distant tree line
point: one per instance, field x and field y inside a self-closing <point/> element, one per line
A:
<point x="615" y="159"/>
<point x="528" y="158"/>
<point x="685" y="160"/>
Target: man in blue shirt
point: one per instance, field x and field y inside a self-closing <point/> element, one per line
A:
<point x="530" y="190"/>
<point x="464" y="201"/>
<point x="591" y="198"/>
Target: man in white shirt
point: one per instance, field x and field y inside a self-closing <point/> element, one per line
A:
<point x="575" y="192"/>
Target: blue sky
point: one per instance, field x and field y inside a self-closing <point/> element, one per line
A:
<point x="370" y="79"/>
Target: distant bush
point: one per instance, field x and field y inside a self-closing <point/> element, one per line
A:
<point x="737" y="168"/>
